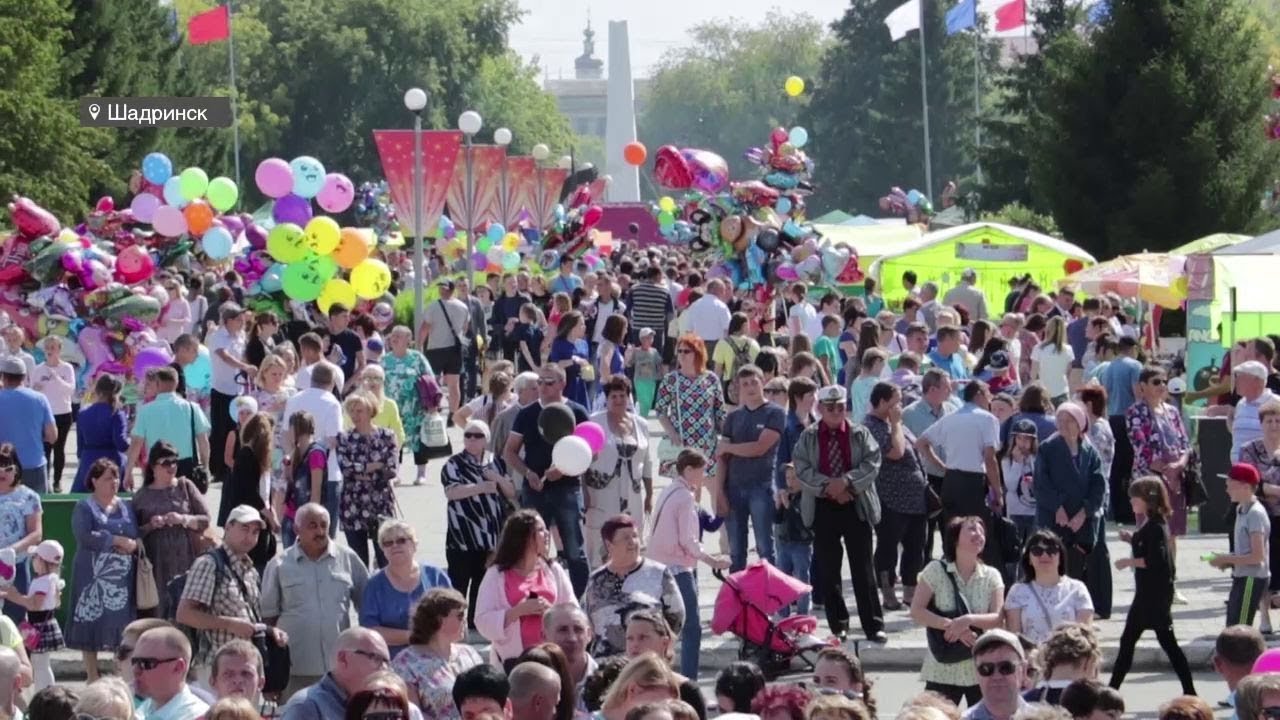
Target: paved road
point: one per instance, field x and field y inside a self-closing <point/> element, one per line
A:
<point x="1197" y="623"/>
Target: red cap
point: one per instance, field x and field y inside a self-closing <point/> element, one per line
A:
<point x="1245" y="473"/>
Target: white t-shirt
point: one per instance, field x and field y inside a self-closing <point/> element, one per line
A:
<point x="708" y="318"/>
<point x="303" y="380"/>
<point x="50" y="585"/>
<point x="964" y="436"/>
<point x="57" y="384"/>
<point x="1054" y="366"/>
<point x="224" y="373"/>
<point x="806" y="316"/>
<point x="1018" y="481"/>
<point x="1060" y="605"/>
<point x="1014" y="350"/>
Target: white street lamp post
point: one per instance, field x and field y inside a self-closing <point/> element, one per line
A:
<point x="415" y="101"/>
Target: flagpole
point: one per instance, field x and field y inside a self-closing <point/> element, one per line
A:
<point x="924" y="103"/>
<point x="235" y="121"/>
<point x="977" y="102"/>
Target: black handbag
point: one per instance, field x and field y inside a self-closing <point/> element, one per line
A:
<point x="1193" y="488"/>
<point x="198" y="473"/>
<point x="943" y="650"/>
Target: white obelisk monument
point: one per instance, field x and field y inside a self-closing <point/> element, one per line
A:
<point x="620" y="123"/>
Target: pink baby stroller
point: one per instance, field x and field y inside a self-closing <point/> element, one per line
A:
<point x="744" y="607"/>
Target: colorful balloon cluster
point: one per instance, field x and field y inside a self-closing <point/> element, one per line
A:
<point x="374" y="209"/>
<point x="912" y="205"/>
<point x="569" y="234"/>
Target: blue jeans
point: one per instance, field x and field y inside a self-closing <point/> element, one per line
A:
<point x="754" y="501"/>
<point x="691" y="633"/>
<point x="560" y="505"/>
<point x="794" y="559"/>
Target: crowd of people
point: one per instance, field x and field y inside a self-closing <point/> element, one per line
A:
<point x="962" y="465"/>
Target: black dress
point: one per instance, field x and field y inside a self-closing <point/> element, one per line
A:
<point x="241" y="488"/>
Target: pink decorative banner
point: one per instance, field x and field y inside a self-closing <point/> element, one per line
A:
<point x="550" y="180"/>
<point x="522" y="178"/>
<point x="439" y="154"/>
<point x="486" y="183"/>
<point x="598" y="188"/>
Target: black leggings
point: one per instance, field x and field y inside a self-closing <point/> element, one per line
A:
<point x="359" y="539"/>
<point x="55" y="453"/>
<point x="466" y="570"/>
<point x="1134" y="625"/>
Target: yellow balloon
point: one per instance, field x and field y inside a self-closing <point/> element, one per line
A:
<point x="323" y="235"/>
<point x="667" y="204"/>
<point x="371" y="279"/>
<point x="337" y="291"/>
<point x="510" y="242"/>
<point x="794" y="85"/>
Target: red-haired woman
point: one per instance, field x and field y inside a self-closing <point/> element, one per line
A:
<point x="690" y="406"/>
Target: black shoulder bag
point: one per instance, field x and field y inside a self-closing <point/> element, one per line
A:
<point x="276" y="661"/>
<point x="457" y="339"/>
<point x="945" y="651"/>
<point x="199" y="474"/>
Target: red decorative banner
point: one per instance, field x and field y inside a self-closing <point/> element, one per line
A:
<point x="550" y="180"/>
<point x="598" y="188"/>
<point x="439" y="154"/>
<point x="522" y="179"/>
<point x="486" y="183"/>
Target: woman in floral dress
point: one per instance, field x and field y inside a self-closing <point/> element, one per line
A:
<point x="437" y="652"/>
<point x="403" y="366"/>
<point x="690" y="405"/>
<point x="369" y="460"/>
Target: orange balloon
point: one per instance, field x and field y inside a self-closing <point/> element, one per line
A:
<point x="354" y="245"/>
<point x="634" y="153"/>
<point x="199" y="217"/>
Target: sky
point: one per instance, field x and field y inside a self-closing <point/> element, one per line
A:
<point x="552" y="29"/>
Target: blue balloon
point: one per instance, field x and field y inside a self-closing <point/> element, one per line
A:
<point x="273" y="279"/>
<point x="914" y="197"/>
<point x="308" y="176"/>
<point x="217" y="242"/>
<point x="783" y="205"/>
<point x="172" y="193"/>
<point x="199" y="374"/>
<point x="798" y="136"/>
<point x="559" y="212"/>
<point x="157" y="168"/>
<point x="445" y="225"/>
<point x="496" y="232"/>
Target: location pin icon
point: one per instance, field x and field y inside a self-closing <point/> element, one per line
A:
<point x="93" y="111"/>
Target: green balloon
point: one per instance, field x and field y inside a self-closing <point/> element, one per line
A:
<point x="222" y="193"/>
<point x="325" y="266"/>
<point x="287" y="243"/>
<point x="483" y="244"/>
<point x="302" y="282"/>
<point x="192" y="183"/>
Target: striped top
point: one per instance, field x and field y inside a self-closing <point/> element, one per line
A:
<point x="651" y="306"/>
<point x="476" y="521"/>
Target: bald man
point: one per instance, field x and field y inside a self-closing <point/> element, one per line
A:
<point x="359" y="653"/>
<point x="566" y="625"/>
<point x="535" y="691"/>
<point x="160" y="661"/>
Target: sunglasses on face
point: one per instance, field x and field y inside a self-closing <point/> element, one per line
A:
<point x="833" y="406"/>
<point x="1004" y="667"/>
<point x="1042" y="550"/>
<point x="395" y="542"/>
<point x="167" y="462"/>
<point x="474" y="436"/>
<point x="145" y="664"/>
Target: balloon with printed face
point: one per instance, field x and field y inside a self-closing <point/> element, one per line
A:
<point x="308" y="176"/>
<point x="302" y="281"/>
<point x="336" y="194"/>
<point x="371" y="279"/>
<point x="336" y="291"/>
<point x="287" y="243"/>
<point x="354" y="245"/>
<point x="133" y="264"/>
<point x="323" y="235"/>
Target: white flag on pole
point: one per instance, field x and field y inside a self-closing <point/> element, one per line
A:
<point x="904" y="19"/>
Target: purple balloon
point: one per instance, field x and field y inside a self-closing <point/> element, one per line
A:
<point x="144" y="206"/>
<point x="480" y="261"/>
<point x="710" y="171"/>
<point x="148" y="358"/>
<point x="274" y="178"/>
<point x="292" y="209"/>
<point x="232" y="223"/>
<point x="256" y="236"/>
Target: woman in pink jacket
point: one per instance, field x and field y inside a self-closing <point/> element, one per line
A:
<point x="519" y="587"/>
<point x="674" y="542"/>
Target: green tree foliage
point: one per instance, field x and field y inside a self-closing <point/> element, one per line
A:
<point x="723" y="92"/>
<point x="1152" y="134"/>
<point x="1019" y="215"/>
<point x="44" y="152"/>
<point x="506" y="93"/>
<point x="865" y="118"/>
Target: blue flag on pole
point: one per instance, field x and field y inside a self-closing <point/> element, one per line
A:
<point x="962" y="17"/>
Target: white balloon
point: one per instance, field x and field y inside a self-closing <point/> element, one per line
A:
<point x="571" y="455"/>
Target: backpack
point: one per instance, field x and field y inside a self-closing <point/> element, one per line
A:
<point x="741" y="359"/>
<point x="173" y="595"/>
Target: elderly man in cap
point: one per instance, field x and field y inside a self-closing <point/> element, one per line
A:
<point x="968" y="295"/>
<point x="1002" y="666"/>
<point x="837" y="461"/>
<point x="220" y="599"/>
<point x="1251" y="385"/>
<point x="26" y="420"/>
<point x="226" y="353"/>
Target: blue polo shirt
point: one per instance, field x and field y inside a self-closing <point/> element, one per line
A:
<point x="171" y="419"/>
<point x="1119" y="378"/>
<point x="953" y="366"/>
<point x="18" y="408"/>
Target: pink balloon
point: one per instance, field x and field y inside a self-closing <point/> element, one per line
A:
<point x="1267" y="662"/>
<point x="144" y="206"/>
<point x="592" y="433"/>
<point x="133" y="264"/>
<point x="336" y="194"/>
<point x="787" y="272"/>
<point x="274" y="178"/>
<point x="169" y="221"/>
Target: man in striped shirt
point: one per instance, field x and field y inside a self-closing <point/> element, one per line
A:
<point x="651" y="307"/>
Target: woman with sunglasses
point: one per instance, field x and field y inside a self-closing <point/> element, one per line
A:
<point x="262" y="337"/>
<point x="437" y="652"/>
<point x="171" y="515"/>
<point x="690" y="406"/>
<point x="106" y="534"/>
<point x="21" y="523"/>
<point x="961" y="568"/>
<point x="1161" y="448"/>
<point x="391" y="592"/>
<point x="478" y="494"/>
<point x="1046" y="599"/>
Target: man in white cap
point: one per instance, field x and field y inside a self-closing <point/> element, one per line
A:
<point x="220" y="598"/>
<point x="1002" y="666"/>
<point x="968" y="295"/>
<point x="1251" y="385"/>
<point x="26" y="420"/>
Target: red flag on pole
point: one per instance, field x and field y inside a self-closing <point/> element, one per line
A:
<point x="209" y="26"/>
<point x="1011" y="15"/>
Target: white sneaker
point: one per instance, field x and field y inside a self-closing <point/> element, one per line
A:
<point x="1180" y="599"/>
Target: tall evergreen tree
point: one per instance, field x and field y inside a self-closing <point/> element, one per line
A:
<point x="865" y="117"/>
<point x="1152" y="131"/>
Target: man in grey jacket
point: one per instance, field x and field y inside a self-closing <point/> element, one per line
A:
<point x="837" y="461"/>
